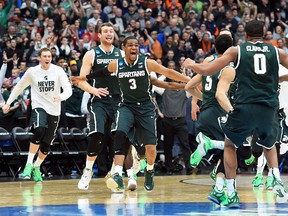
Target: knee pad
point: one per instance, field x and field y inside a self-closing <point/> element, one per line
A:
<point x="244" y="152"/>
<point x="38" y="135"/>
<point x="121" y="143"/>
<point x="94" y="144"/>
<point x="256" y="154"/>
<point x="45" y="148"/>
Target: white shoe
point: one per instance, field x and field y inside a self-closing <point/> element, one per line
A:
<point x="132" y="184"/>
<point x="83" y="184"/>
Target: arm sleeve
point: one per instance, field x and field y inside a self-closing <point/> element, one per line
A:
<point x="66" y="86"/>
<point x="84" y="103"/>
<point x="2" y="73"/>
<point x="99" y="73"/>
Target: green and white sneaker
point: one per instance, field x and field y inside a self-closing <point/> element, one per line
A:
<point x="269" y="183"/>
<point x="149" y="182"/>
<point x="280" y="191"/>
<point x="205" y="143"/>
<point x="37" y="174"/>
<point x="250" y="160"/>
<point x="143" y="164"/>
<point x="212" y="174"/>
<point x="233" y="201"/>
<point x="258" y="180"/>
<point x="115" y="183"/>
<point x="26" y="174"/>
<point x="195" y="158"/>
<point x="218" y="196"/>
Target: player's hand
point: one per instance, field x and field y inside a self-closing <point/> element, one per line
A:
<point x="99" y="92"/>
<point x="57" y="99"/>
<point x="77" y="79"/>
<point x="188" y="63"/>
<point x="6" y="108"/>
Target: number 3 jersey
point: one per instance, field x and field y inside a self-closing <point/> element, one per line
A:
<point x="257" y="74"/>
<point x="134" y="80"/>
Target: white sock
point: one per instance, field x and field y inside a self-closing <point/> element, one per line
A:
<point x="231" y="186"/>
<point x="276" y="172"/>
<point x="201" y="150"/>
<point x="129" y="172"/>
<point x="119" y="169"/>
<point x="112" y="171"/>
<point x="150" y="167"/>
<point x="38" y="162"/>
<point x="219" y="183"/>
<point x="30" y="158"/>
<point x="261" y="163"/>
<point x="89" y="164"/>
<point x="218" y="144"/>
<point x="270" y="174"/>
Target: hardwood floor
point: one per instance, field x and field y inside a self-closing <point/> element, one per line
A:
<point x="172" y="195"/>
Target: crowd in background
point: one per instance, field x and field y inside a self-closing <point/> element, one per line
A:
<point x="167" y="30"/>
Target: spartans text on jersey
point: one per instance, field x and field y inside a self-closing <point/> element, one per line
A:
<point x="131" y="74"/>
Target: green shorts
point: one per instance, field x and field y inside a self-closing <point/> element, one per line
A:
<point x="208" y="123"/>
<point x="100" y="112"/>
<point x="247" y="118"/>
<point x="142" y="117"/>
<point x="40" y="118"/>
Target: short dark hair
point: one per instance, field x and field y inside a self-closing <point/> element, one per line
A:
<point x="128" y="38"/>
<point x="255" y="28"/>
<point x="223" y="42"/>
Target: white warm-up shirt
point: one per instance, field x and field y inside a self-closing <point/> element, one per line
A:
<point x="45" y="85"/>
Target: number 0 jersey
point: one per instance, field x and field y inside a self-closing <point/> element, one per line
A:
<point x="257" y="74"/>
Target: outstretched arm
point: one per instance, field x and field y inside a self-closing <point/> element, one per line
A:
<point x="167" y="85"/>
<point x="212" y="67"/>
<point x="172" y="74"/>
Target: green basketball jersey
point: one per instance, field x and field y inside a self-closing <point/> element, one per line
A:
<point x="134" y="80"/>
<point x="257" y="74"/>
<point x="209" y="87"/>
<point x="101" y="60"/>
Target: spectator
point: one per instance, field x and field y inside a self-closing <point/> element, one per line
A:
<point x="156" y="48"/>
<point x="119" y="20"/>
<point x="12" y="54"/>
<point x="229" y="22"/>
<point x="95" y="18"/>
<point x="168" y="45"/>
<point x="240" y="33"/>
<point x="103" y="16"/>
<point x="170" y="56"/>
<point x="211" y="25"/>
<point x="144" y="49"/>
<point x="142" y="18"/>
<point x="172" y="28"/>
<point x="268" y="38"/>
<point x="195" y="5"/>
<point x="132" y="14"/>
<point x="4" y="13"/>
<point x="281" y="45"/>
<point x="148" y="13"/>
